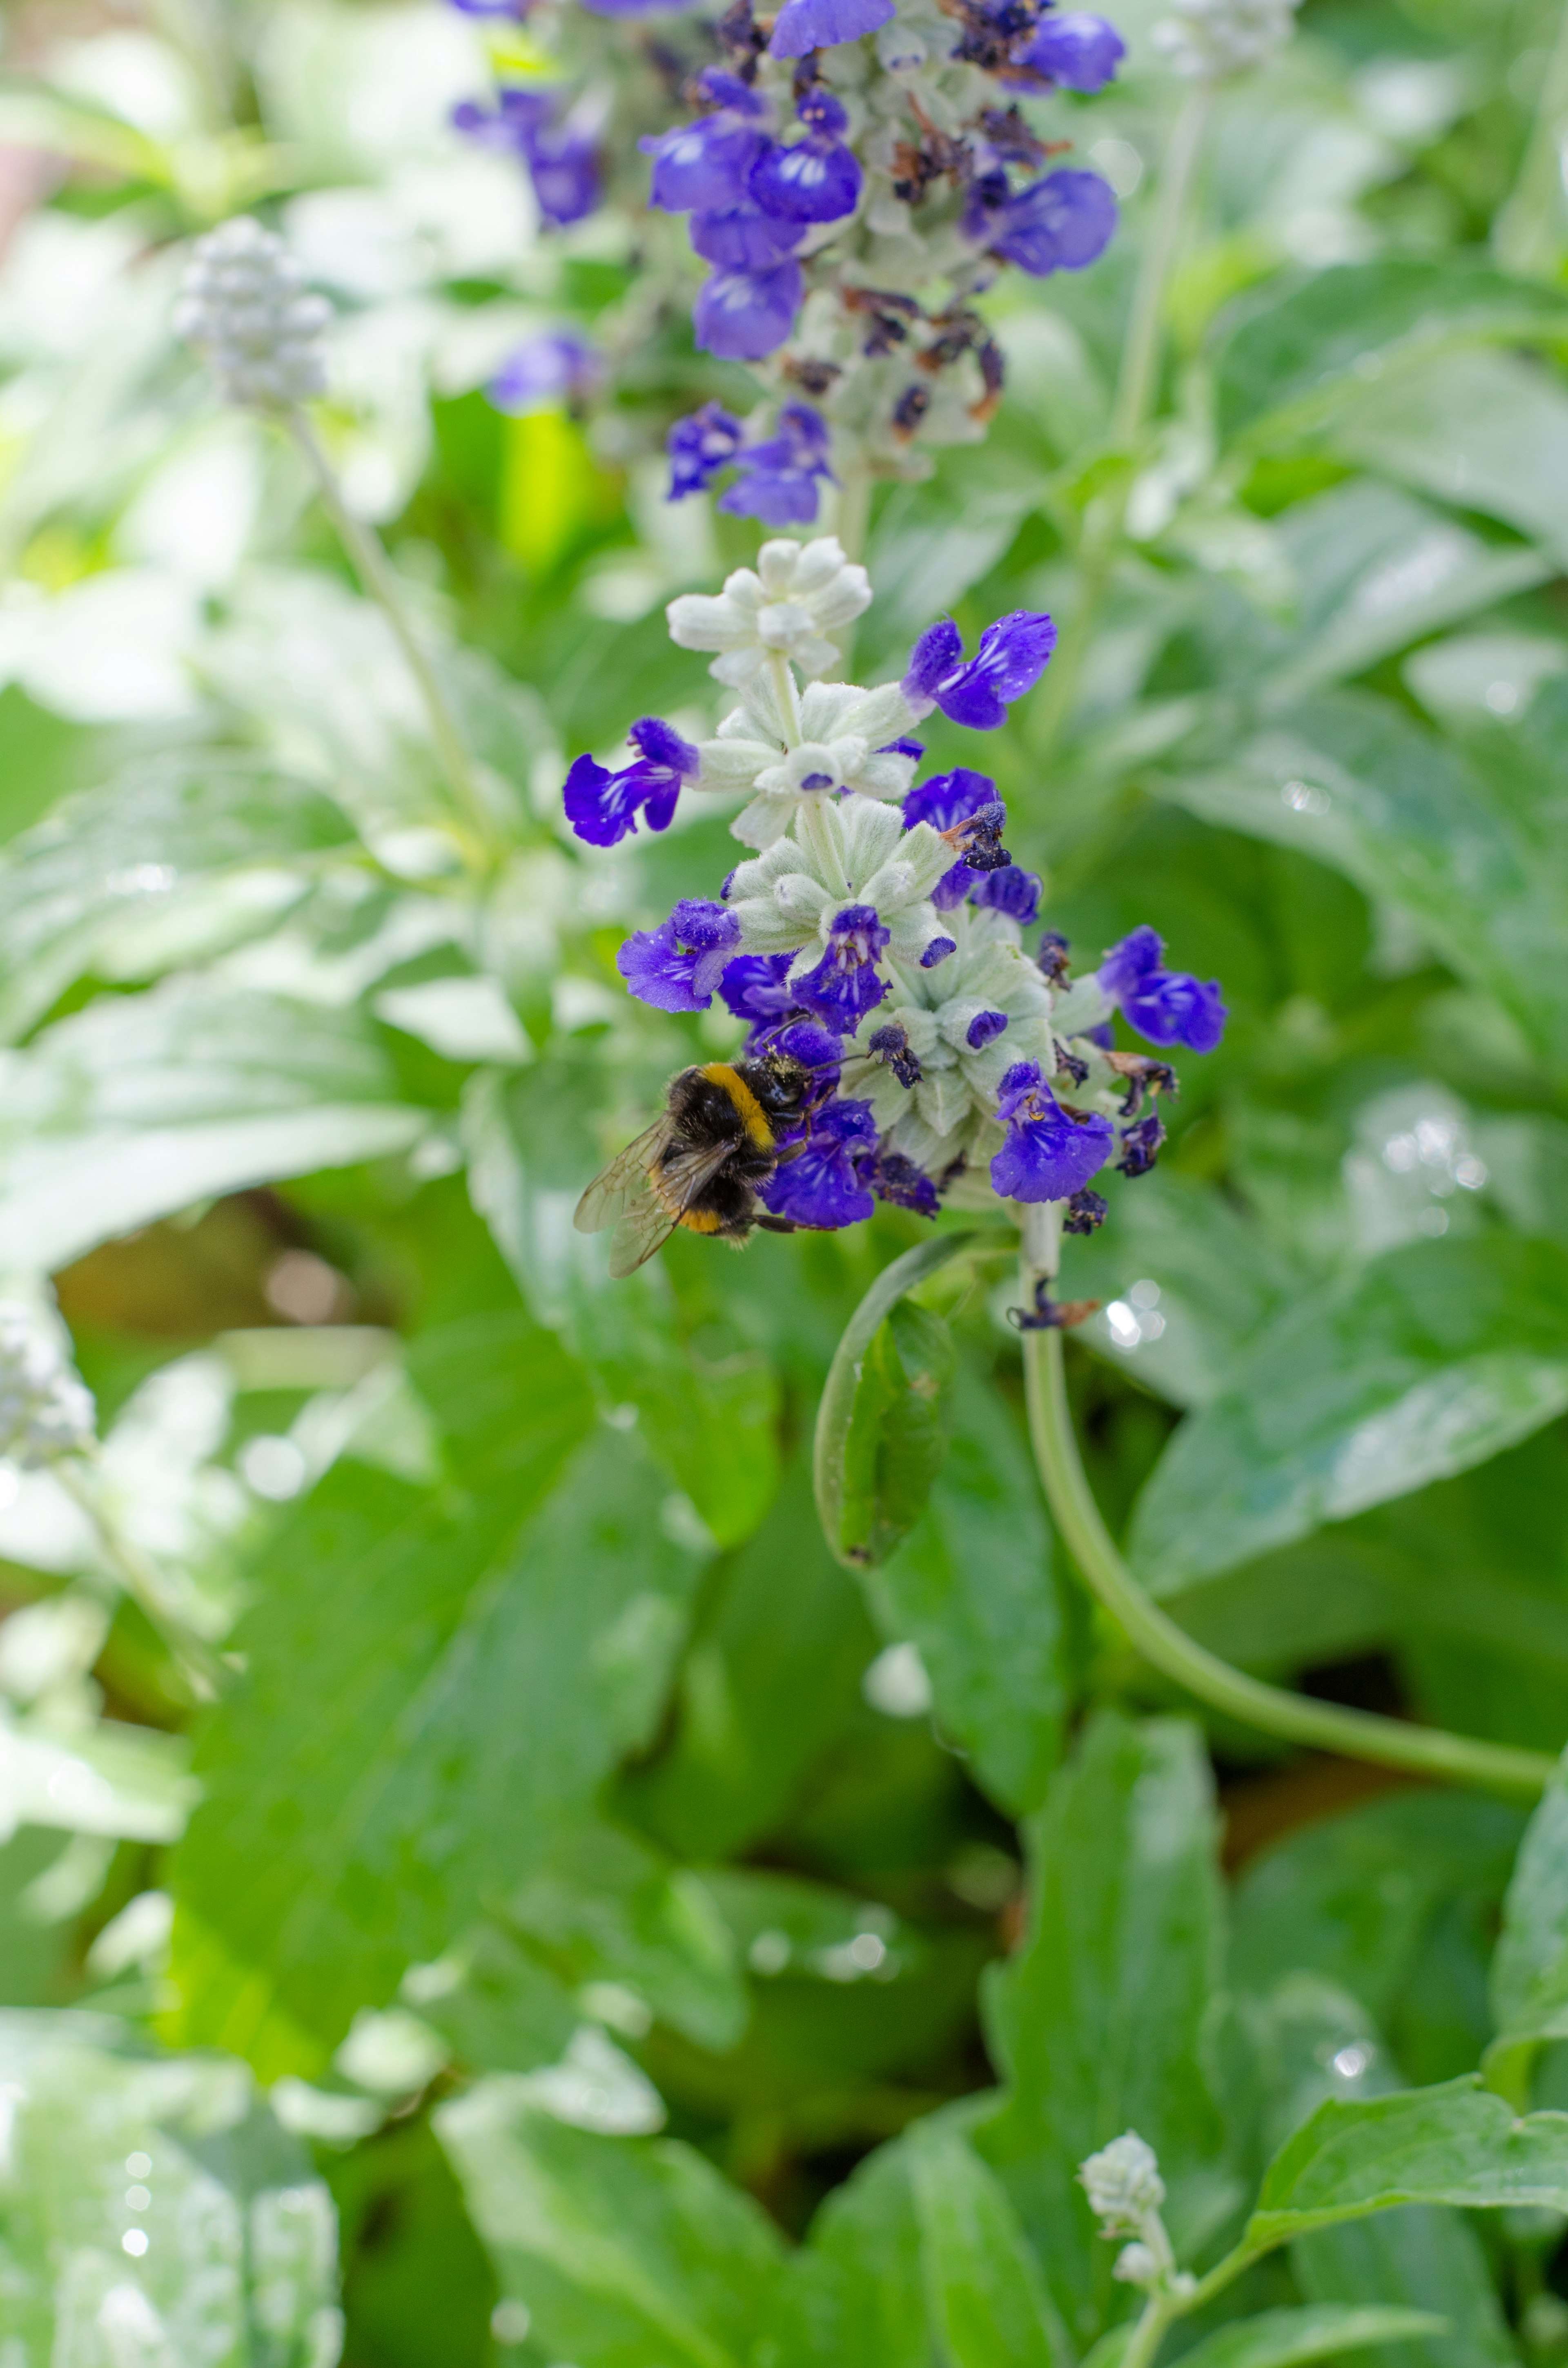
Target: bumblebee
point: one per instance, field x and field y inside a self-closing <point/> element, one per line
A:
<point x="700" y="1163"/>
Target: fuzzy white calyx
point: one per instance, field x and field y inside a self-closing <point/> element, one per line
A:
<point x="788" y="606"/>
<point x="841" y="745"/>
<point x="1205" y="40"/>
<point x="854" y="853"/>
<point x="243" y="305"/>
<point x="46" y="1411"/>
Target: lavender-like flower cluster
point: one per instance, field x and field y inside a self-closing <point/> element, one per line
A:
<point x="877" y="931"/>
<point x="839" y="166"/>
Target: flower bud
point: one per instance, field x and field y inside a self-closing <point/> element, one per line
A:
<point x="46" y="1411"/>
<point x="243" y="305"/>
<point x="1123" y="2184"/>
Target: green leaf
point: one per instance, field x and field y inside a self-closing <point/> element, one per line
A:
<point x="621" y="2250"/>
<point x="436" y="1686"/>
<point x="1456" y="2143"/>
<point x="855" y="2291"/>
<point x="1280" y="2339"/>
<point x="239" y="2266"/>
<point x="1358" y="783"/>
<point x="1100" y="2020"/>
<point x="1530" y="1972"/>
<point x="898" y="1432"/>
<point x="1296" y="352"/>
<point x="1433" y="1359"/>
<point x="1423" y="2256"/>
<point x="138" y="856"/>
<point x="986" y="2297"/>
<point x="141" y="1104"/>
<point x="974" y="1588"/>
<point x="1487" y="430"/>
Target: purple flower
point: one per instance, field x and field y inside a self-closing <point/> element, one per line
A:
<point x="1012" y="656"/>
<point x="676" y="966"/>
<point x="756" y="988"/>
<point x="518" y="8"/>
<point x="984" y="1028"/>
<point x="844" y="985"/>
<point x="814" y="1047"/>
<point x="778" y="479"/>
<point x="1010" y="889"/>
<point x="562" y="161"/>
<point x="818" y="179"/>
<point x="1048" y="1154"/>
<point x="890" y="1044"/>
<point x="743" y="237"/>
<point x="938" y="951"/>
<point x="1077" y="52"/>
<point x="1058" y="224"/>
<point x="541" y="370"/>
<point x="818" y="1187"/>
<point x="706" y="165"/>
<point x="895" y="1178"/>
<point x="1168" y="1007"/>
<point x="949" y="798"/>
<point x="698" y="448"/>
<point x="802" y="26"/>
<point x="602" y="807"/>
<point x="740" y="316"/>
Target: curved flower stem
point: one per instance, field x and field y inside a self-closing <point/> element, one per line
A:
<point x="370" y="562"/>
<point x="1149" y="2333"/>
<point x="1356" y="1734"/>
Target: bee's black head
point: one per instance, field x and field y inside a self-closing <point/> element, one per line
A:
<point x="781" y="1084"/>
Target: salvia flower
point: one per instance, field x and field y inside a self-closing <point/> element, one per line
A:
<point x="603" y="807"/>
<point x="676" y="966"/>
<point x="742" y="316"/>
<point x="243" y="305"/>
<point x="560" y="149"/>
<point x="1205" y="40"/>
<point x="1013" y="654"/>
<point x="778" y="480"/>
<point x="817" y="180"/>
<point x="843" y="986"/>
<point x="802" y="26"/>
<point x="46" y="1411"/>
<point x="817" y="1186"/>
<point x="546" y="370"/>
<point x="1062" y="223"/>
<point x="1011" y="890"/>
<point x="699" y="447"/>
<point x="708" y="164"/>
<point x="1167" y="1006"/>
<point x="1075" y="50"/>
<point x="1050" y="1152"/>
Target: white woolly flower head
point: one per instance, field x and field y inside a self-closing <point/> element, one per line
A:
<point x="1208" y="38"/>
<point x="245" y="306"/>
<point x="947" y="1043"/>
<point x="848" y="852"/>
<point x="842" y="745"/>
<point x="789" y="604"/>
<point x="46" y="1411"/>
<point x="1123" y="2185"/>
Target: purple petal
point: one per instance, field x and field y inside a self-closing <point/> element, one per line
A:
<point x="802" y="26"/>
<point x="949" y="798"/>
<point x="596" y="805"/>
<point x="740" y="316"/>
<point x="703" y="164"/>
<point x="1012" y="656"/>
<point x="1059" y="224"/>
<point x="1128" y="961"/>
<point x="933" y="658"/>
<point x="1173" y="1008"/>
<point x="662" y="744"/>
<point x="779" y="497"/>
<point x="819" y="1187"/>
<point x="699" y="447"/>
<point x="754" y="986"/>
<point x="938" y="951"/>
<point x="540" y="370"/>
<point x="984" y="1028"/>
<point x="1078" y="52"/>
<point x="1011" y="890"/>
<point x="743" y="237"/>
<point x="815" y="181"/>
<point x="656" y="971"/>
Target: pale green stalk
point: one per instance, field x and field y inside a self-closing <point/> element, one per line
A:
<point x="1528" y="235"/>
<point x="374" y="570"/>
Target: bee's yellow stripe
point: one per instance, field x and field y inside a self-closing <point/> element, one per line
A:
<point x="700" y="1221"/>
<point x="751" y="1115"/>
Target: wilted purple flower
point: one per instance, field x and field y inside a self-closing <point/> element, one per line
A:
<point x="676" y="966"/>
<point x="1077" y="51"/>
<point x="1012" y="656"/>
<point x="1049" y="1153"/>
<point x="818" y="179"/>
<point x="984" y="1028"/>
<point x="698" y="448"/>
<point x="542" y="370"/>
<point x="938" y="951"/>
<point x="895" y="1178"/>
<point x="1010" y="889"/>
<point x="818" y="1187"/>
<point x="1058" y="224"/>
<point x="946" y="800"/>
<point x="779" y="478"/>
<point x="844" y="985"/>
<point x="1168" y="1007"/>
<point x="602" y="807"/>
<point x="562" y="158"/>
<point x="802" y="26"/>
<point x="1085" y="1212"/>
<point x="1140" y="1144"/>
<point x="740" y="316"/>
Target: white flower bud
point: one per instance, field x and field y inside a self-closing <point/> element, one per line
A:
<point x="1207" y="39"/>
<point x="46" y="1411"/>
<point x="243" y="305"/>
<point x="1135" y="2266"/>
<point x="796" y="597"/>
<point x="1123" y="2184"/>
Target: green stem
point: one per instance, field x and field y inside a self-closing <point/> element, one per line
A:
<point x="1149" y="2334"/>
<point x="374" y="570"/>
<point x="1167" y="213"/>
<point x="1527" y="235"/>
<point x="143" y="1582"/>
<point x="1240" y="2258"/>
<point x="1356" y="1734"/>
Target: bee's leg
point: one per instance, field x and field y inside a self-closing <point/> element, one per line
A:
<point x="776" y="1224"/>
<point x="793" y="1152"/>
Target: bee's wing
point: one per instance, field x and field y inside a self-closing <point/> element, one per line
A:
<point x="625" y="1181"/>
